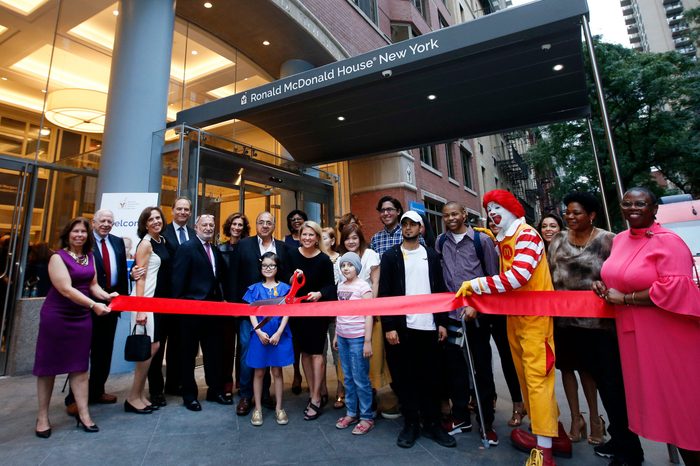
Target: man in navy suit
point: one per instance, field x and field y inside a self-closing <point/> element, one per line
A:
<point x="247" y="268"/>
<point x="198" y="271"/>
<point x="110" y="265"/>
<point x="175" y="233"/>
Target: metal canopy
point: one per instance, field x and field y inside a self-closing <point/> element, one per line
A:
<point x="496" y="73"/>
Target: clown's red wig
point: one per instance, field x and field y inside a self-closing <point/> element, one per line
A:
<point x="505" y="199"/>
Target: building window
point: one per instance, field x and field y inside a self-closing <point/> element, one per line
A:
<point x="481" y="148"/>
<point x="433" y="210"/>
<point x="427" y="156"/>
<point x="466" y="157"/>
<point x="369" y="8"/>
<point x="421" y="7"/>
<point x="443" y="22"/>
<point x="449" y="161"/>
<point x="403" y="31"/>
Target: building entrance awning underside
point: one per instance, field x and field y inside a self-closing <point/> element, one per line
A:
<point x="517" y="68"/>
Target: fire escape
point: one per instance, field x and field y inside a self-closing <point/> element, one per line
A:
<point x="515" y="172"/>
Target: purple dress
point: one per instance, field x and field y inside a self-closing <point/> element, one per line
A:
<point x="65" y="329"/>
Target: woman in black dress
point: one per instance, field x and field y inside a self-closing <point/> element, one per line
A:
<point x="310" y="332"/>
<point x="236" y="227"/>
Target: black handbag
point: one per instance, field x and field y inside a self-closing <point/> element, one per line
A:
<point x="138" y="347"/>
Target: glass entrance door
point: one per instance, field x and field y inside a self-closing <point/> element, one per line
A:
<point x="223" y="176"/>
<point x="15" y="233"/>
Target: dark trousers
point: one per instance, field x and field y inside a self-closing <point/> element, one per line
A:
<point x="457" y="371"/>
<point x="168" y="333"/>
<point x="393" y="362"/>
<point x="418" y="357"/>
<point x="499" y="332"/>
<point x="103" y="330"/>
<point x="603" y="360"/>
<point x="206" y="331"/>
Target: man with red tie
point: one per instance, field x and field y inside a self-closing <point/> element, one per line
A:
<point x="110" y="267"/>
<point x="198" y="272"/>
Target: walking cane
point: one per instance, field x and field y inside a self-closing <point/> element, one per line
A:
<point x="470" y="362"/>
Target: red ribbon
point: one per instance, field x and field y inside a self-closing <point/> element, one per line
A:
<point x="523" y="303"/>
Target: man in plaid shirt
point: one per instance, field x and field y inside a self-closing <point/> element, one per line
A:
<point x="390" y="211"/>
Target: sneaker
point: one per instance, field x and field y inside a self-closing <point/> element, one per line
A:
<point x="439" y="436"/>
<point x="455" y="426"/>
<point x="256" y="419"/>
<point x="492" y="437"/>
<point x="391" y="413"/>
<point x="606" y="450"/>
<point x="281" y="417"/>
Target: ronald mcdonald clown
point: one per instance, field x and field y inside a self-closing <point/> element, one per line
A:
<point x="524" y="267"/>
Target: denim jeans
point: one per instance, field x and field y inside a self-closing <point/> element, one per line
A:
<point x="356" y="371"/>
<point x="246" y="378"/>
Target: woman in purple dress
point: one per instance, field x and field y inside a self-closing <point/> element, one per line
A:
<point x="65" y="326"/>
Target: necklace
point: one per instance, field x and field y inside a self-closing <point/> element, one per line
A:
<point x="80" y="260"/>
<point x="582" y="247"/>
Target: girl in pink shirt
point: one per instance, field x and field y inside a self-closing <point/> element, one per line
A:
<point x="353" y="340"/>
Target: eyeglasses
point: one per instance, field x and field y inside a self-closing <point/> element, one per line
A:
<point x="637" y="204"/>
<point x="268" y="266"/>
<point x="387" y="210"/>
<point x="265" y="223"/>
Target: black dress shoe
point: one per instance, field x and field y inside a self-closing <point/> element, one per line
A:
<point x="158" y="400"/>
<point x="90" y="429"/>
<point x="408" y="435"/>
<point x="129" y="408"/>
<point x="439" y="436"/>
<point x="193" y="405"/>
<point x="221" y="399"/>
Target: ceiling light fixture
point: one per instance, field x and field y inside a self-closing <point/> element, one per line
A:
<point x="432" y="97"/>
<point x="266" y="42"/>
<point x="43" y="91"/>
<point x="44" y="131"/>
<point x="4" y="78"/>
<point x="194" y="52"/>
<point x="81" y="110"/>
<point x="341" y="118"/>
<point x="115" y="12"/>
<point x="208" y="5"/>
<point x="558" y="67"/>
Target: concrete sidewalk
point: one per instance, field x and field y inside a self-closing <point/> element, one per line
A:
<point x="174" y="435"/>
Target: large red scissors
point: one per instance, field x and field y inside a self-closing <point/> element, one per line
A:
<point x="298" y="282"/>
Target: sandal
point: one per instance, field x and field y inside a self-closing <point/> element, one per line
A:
<point x="339" y="402"/>
<point x="345" y="422"/>
<point x="597" y="436"/>
<point x="316" y="409"/>
<point x="516" y="419"/>
<point x="363" y="427"/>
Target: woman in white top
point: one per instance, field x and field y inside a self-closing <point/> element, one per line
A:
<point x="151" y="254"/>
<point x="353" y="240"/>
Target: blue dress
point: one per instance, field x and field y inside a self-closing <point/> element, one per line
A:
<point x="261" y="356"/>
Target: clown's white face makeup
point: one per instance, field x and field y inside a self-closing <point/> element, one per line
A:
<point x="501" y="217"/>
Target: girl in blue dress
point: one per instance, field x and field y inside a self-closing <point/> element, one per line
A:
<point x="272" y="345"/>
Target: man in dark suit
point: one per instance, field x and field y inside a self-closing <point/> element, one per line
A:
<point x="247" y="268"/>
<point x="110" y="265"/>
<point x="175" y="233"/>
<point x="198" y="271"/>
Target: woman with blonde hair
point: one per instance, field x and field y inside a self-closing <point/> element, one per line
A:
<point x="311" y="259"/>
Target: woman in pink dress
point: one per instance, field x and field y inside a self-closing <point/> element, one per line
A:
<point x="648" y="276"/>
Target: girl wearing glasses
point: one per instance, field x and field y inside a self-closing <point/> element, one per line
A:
<point x="272" y="345"/>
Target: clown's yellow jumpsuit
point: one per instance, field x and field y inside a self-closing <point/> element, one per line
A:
<point x="524" y="267"/>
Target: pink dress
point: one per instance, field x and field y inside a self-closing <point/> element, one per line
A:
<point x="659" y="345"/>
